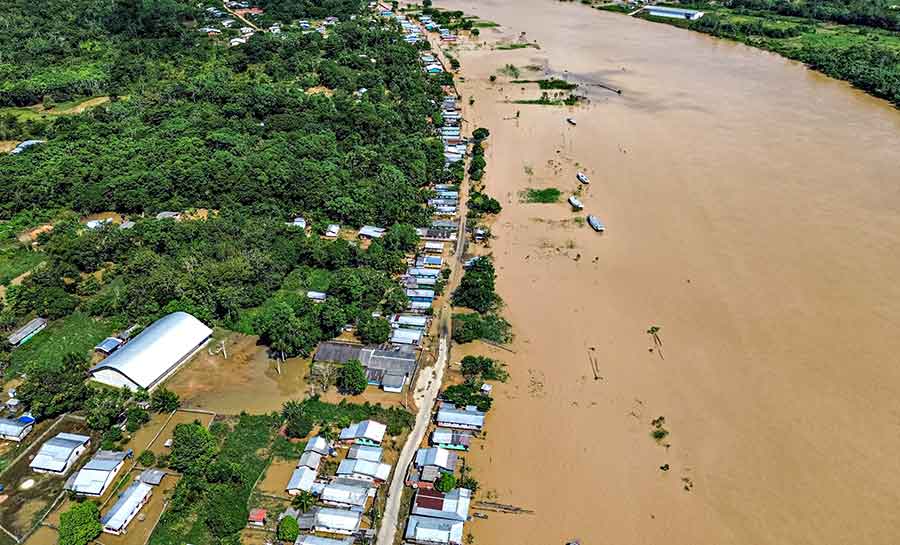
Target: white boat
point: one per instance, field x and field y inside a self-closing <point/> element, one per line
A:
<point x="582" y="177"/>
<point x="576" y="204"/>
<point x="595" y="224"/>
<point x="571" y="121"/>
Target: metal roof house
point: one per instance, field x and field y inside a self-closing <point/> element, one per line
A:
<point x="317" y="296"/>
<point x="432" y="531"/>
<point x="370" y="231"/>
<point x="409" y="321"/>
<point x="337" y="352"/>
<point x="319" y="445"/>
<point x="27" y="331"/>
<point x="309" y="539"/>
<point x="367" y="432"/>
<point x="311" y="460"/>
<point x="58" y="454"/>
<point x="346" y="495"/>
<point x="411" y="337"/>
<point x="95" y="477"/>
<point x="364" y="470"/>
<point x="365" y="452"/>
<point x="154" y="354"/>
<point x="423" y="296"/>
<point x="108" y="345"/>
<point x="15" y="430"/>
<point x="126" y="508"/>
<point x="451" y="439"/>
<point x="336" y="521"/>
<point x="673" y="13"/>
<point x="302" y="480"/>
<point x="453" y="505"/>
<point x="438" y="457"/>
<point x="388" y="367"/>
<point x="470" y="418"/>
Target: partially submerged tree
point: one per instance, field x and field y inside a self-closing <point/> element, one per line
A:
<point x="80" y="524"/>
<point x="352" y="378"/>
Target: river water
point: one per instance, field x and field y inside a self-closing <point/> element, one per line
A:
<point x="753" y="213"/>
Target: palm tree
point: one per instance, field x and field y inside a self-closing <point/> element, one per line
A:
<point x="304" y="501"/>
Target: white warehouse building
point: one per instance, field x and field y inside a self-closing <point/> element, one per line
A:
<point x="154" y="354"/>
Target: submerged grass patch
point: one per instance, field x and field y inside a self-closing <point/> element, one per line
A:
<point x="550" y="84"/>
<point x="509" y="47"/>
<point x="547" y="195"/>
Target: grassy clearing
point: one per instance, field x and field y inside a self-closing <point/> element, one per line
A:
<point x="16" y="260"/>
<point x="343" y="414"/>
<point x="548" y="195"/>
<point x="39" y="112"/>
<point x="77" y="332"/>
<point x="484" y="24"/>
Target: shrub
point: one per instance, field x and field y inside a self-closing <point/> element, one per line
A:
<point x="299" y="426"/>
<point x="467" y="393"/>
<point x="147" y="458"/>
<point x="471" y="327"/>
<point x="164" y="400"/>
<point x="445" y="483"/>
<point x="226" y="510"/>
<point x="80" y="524"/>
<point x="484" y="367"/>
<point x="288" y="529"/>
<point x="352" y="378"/>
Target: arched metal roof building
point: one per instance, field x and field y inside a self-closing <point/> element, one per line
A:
<point x="154" y="354"/>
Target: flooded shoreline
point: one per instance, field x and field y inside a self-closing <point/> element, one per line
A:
<point x="751" y="207"/>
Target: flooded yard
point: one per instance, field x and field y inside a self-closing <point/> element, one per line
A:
<point x="247" y="381"/>
<point x="181" y="417"/>
<point x="277" y="476"/>
<point x="28" y="494"/>
<point x="140" y="528"/>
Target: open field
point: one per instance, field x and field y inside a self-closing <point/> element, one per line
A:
<point x="38" y="111"/>
<point x="77" y="333"/>
<point x="247" y="381"/>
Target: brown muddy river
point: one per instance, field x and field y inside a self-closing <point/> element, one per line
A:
<point x="753" y="213"/>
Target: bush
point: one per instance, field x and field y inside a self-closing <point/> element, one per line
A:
<point x="164" y="400"/>
<point x="372" y="330"/>
<point x="445" y="483"/>
<point x="80" y="524"/>
<point x="352" y="378"/>
<point x="193" y="447"/>
<point x="548" y="195"/>
<point x="476" y="290"/>
<point x="481" y="133"/>
<point x="147" y="458"/>
<point x="135" y="418"/>
<point x="479" y="203"/>
<point x="298" y="427"/>
<point x="467" y="393"/>
<point x="471" y="327"/>
<point x="288" y="529"/>
<point x="484" y="367"/>
<point x="226" y="510"/>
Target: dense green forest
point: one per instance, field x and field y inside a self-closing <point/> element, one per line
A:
<point x="853" y="40"/>
<point x="257" y="134"/>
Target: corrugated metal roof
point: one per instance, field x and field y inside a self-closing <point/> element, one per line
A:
<point x="364" y="469"/>
<point x="449" y="416"/>
<point x="365" y="452"/>
<point x="337" y="352"/>
<point x="453" y="505"/>
<point x="126" y="506"/>
<point x="302" y="479"/>
<point x="156" y="350"/>
<point x="311" y="460"/>
<point x="432" y="530"/>
<point x="54" y="454"/>
<point x="28" y="329"/>
<point x="345" y="494"/>
<point x="367" y="429"/>
<point x="12" y="428"/>
<point x="436" y="456"/>
<point x="317" y="444"/>
<point x="316" y="540"/>
<point x="341" y="520"/>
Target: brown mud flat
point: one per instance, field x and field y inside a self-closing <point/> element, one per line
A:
<point x="751" y="211"/>
<point x="247" y="381"/>
<point x="277" y="476"/>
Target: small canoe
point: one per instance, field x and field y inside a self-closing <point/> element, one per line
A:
<point x="571" y="121"/>
<point x="595" y="224"/>
<point x="576" y="204"/>
<point x="582" y="177"/>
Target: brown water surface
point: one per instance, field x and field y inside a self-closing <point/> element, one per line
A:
<point x="753" y="213"/>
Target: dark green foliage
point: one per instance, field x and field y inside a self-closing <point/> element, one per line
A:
<point x="104" y="406"/>
<point x="147" y="458"/>
<point x="110" y="438"/>
<point x="484" y="367"/>
<point x="193" y="447"/>
<point x="164" y="400"/>
<point x="472" y="327"/>
<point x="401" y="237"/>
<point x="226" y="510"/>
<point x="445" y="483"/>
<point x="344" y="413"/>
<point x="480" y="134"/>
<point x="548" y="84"/>
<point x="476" y="290"/>
<point x="372" y="330"/>
<point x="480" y="203"/>
<point x="288" y="529"/>
<point x="80" y="524"/>
<point x="52" y="388"/>
<point x="135" y="417"/>
<point x="352" y="378"/>
<point x="467" y="393"/>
